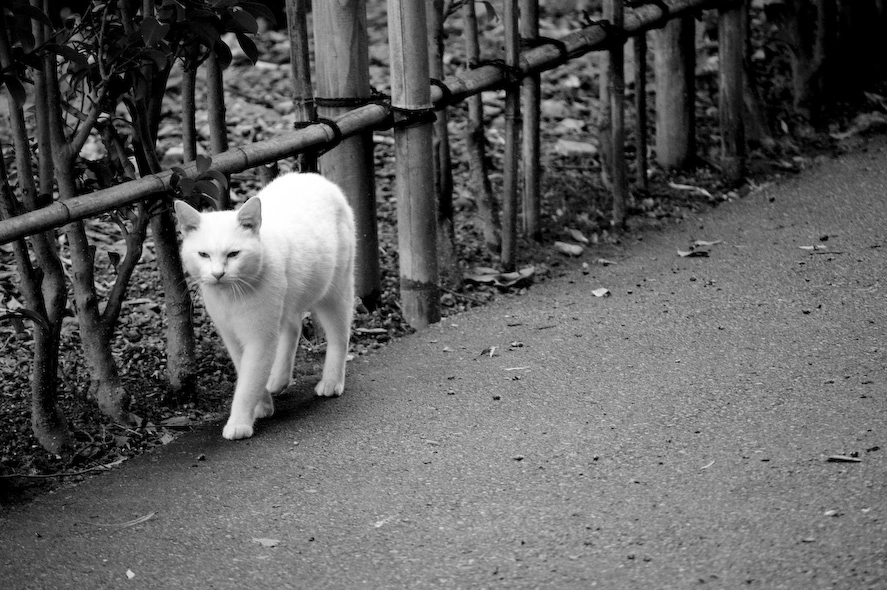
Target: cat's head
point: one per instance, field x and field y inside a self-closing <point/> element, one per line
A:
<point x="221" y="248"/>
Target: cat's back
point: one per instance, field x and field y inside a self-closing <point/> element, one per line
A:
<point x="304" y="199"/>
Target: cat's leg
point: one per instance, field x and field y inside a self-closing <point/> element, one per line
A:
<point x="235" y="349"/>
<point x="334" y="314"/>
<point x="265" y="407"/>
<point x="287" y="345"/>
<point x="250" y="392"/>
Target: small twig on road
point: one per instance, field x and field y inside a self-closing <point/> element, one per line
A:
<point x="122" y="525"/>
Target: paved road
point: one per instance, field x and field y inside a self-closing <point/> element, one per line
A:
<point x="673" y="435"/>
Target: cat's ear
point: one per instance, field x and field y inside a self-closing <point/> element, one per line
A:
<point x="187" y="216"/>
<point x="250" y="215"/>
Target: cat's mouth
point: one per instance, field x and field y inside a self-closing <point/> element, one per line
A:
<point x="218" y="282"/>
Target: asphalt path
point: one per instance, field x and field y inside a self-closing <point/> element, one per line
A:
<point x="678" y="433"/>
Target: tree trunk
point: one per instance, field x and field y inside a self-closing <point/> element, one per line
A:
<point x="448" y="263"/>
<point x="757" y="128"/>
<point x="614" y="10"/>
<point x="640" y="106"/>
<point x="731" y="45"/>
<point x="218" y="128"/>
<point x="189" y="113"/>
<point x="487" y="206"/>
<point x="181" y="363"/>
<point x="105" y="384"/>
<point x="47" y="421"/>
<point x="605" y="125"/>
<point x="810" y="29"/>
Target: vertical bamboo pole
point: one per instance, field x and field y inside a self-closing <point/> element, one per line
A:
<point x="731" y="40"/>
<point x="530" y="99"/>
<point x="487" y="207"/>
<point x="640" y="105"/>
<point x="615" y="13"/>
<point x="342" y="70"/>
<point x="218" y="128"/>
<point x="510" y="186"/>
<point x="675" y="93"/>
<point x="303" y="91"/>
<point x="414" y="169"/>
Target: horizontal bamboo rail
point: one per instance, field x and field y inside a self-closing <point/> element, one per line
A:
<point x="537" y="59"/>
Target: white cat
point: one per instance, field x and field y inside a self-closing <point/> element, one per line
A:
<point x="286" y="251"/>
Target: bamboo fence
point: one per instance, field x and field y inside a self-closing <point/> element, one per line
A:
<point x="413" y="94"/>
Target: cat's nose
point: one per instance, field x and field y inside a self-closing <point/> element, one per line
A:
<point x="218" y="274"/>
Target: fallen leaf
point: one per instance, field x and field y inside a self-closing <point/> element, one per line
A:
<point x="693" y="253"/>
<point x="601" y="292"/>
<point x="569" y="249"/>
<point x="690" y="188"/>
<point x="490" y="276"/>
<point x="490" y="352"/>
<point x="267" y="542"/>
<point x="577" y="235"/>
<point x="843" y="459"/>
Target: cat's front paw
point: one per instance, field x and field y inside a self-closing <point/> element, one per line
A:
<point x="237" y="431"/>
<point x="329" y="388"/>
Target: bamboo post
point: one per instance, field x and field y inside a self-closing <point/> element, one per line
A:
<point x="614" y="12"/>
<point x="675" y="89"/>
<point x="342" y="70"/>
<point x="530" y="100"/>
<point x="640" y="105"/>
<point x="218" y="128"/>
<point x="487" y="207"/>
<point x="731" y="41"/>
<point x="510" y="186"/>
<point x="414" y="168"/>
<point x="303" y="91"/>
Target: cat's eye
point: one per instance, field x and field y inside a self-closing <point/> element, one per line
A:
<point x="233" y="254"/>
<point x="203" y="254"/>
